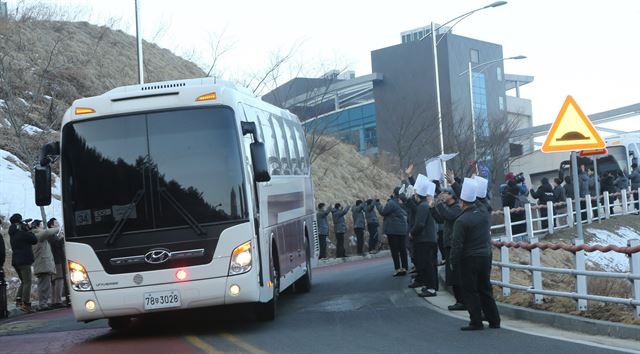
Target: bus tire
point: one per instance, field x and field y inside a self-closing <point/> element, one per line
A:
<point x="303" y="285"/>
<point x="267" y="311"/>
<point x="119" y="323"/>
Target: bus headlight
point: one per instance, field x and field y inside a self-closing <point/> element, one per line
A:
<point x="241" y="259"/>
<point x="79" y="277"/>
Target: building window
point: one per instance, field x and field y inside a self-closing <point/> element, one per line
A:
<point x="474" y="56"/>
<point x="501" y="103"/>
<point x="480" y="106"/>
<point x="499" y="73"/>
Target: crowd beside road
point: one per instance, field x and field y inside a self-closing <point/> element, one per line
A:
<point x="36" y="250"/>
<point x="419" y="220"/>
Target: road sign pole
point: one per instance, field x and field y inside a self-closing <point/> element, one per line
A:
<point x="576" y="194"/>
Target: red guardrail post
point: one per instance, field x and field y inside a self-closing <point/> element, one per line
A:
<point x="635" y="270"/>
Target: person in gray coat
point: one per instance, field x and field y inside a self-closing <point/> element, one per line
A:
<point x="394" y="225"/>
<point x="339" y="227"/>
<point x="634" y="179"/>
<point x="44" y="266"/>
<point x="371" y="216"/>
<point x="583" y="184"/>
<point x="357" y="213"/>
<point x="323" y="228"/>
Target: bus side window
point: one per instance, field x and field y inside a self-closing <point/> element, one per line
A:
<point x="274" y="155"/>
<point x="285" y="153"/>
<point x="293" y="147"/>
<point x="302" y="147"/>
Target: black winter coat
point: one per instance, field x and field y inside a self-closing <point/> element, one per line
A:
<point x="544" y="194"/>
<point x="21" y="242"/>
<point x="471" y="236"/>
<point x="447" y="214"/>
<point x="424" y="226"/>
<point x="394" y="218"/>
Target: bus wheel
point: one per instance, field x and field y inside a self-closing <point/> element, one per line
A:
<point x="303" y="285"/>
<point x="119" y="323"/>
<point x="267" y="311"/>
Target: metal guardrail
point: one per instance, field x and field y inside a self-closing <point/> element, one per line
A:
<point x="578" y="249"/>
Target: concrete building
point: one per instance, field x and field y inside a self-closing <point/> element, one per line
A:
<point x="3" y="9"/>
<point x="394" y="109"/>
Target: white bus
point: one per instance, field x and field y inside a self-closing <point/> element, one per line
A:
<point x="181" y="194"/>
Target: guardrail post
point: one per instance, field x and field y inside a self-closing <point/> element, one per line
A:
<point x="536" y="276"/>
<point x="529" y="220"/>
<point x="507" y="223"/>
<point x="607" y="205"/>
<point x="570" y="212"/>
<point x="550" y="218"/>
<point x="635" y="270"/>
<point x="624" y="202"/>
<point x="505" y="272"/>
<point x="635" y="198"/>
<point x="587" y="199"/>
<point x="581" y="280"/>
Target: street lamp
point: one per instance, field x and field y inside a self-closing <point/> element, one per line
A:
<point x="433" y="35"/>
<point x="473" y="118"/>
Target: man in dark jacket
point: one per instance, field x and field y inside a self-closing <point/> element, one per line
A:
<point x="447" y="210"/>
<point x="323" y="228"/>
<point x="568" y="188"/>
<point x="372" y="223"/>
<point x="339" y="227"/>
<point x="583" y="187"/>
<point x="544" y="194"/>
<point x="22" y="258"/>
<point x="394" y="225"/>
<point x="471" y="254"/>
<point x="425" y="242"/>
<point x="357" y="214"/>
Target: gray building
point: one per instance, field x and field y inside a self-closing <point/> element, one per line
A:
<point x="406" y="105"/>
<point x="3" y="9"/>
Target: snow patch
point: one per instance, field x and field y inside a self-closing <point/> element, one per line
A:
<point x="610" y="261"/>
<point x="24" y="102"/>
<point x="3" y="104"/>
<point x="31" y="130"/>
<point x="16" y="190"/>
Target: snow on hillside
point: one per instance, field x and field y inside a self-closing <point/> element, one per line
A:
<point x="16" y="190"/>
<point x="611" y="261"/>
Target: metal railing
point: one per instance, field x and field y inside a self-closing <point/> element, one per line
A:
<point x="566" y="219"/>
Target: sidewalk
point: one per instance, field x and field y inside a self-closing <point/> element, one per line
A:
<point x="519" y="319"/>
<point x="333" y="261"/>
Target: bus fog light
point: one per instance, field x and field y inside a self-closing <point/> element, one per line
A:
<point x="241" y="259"/>
<point x="90" y="305"/>
<point x="234" y="290"/>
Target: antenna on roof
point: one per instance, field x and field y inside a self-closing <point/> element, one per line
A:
<point x="139" y="42"/>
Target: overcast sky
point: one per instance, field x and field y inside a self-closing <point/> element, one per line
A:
<point x="589" y="49"/>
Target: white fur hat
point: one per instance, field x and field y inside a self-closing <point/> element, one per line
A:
<point x="424" y="187"/>
<point x="469" y="188"/>
<point x="481" y="192"/>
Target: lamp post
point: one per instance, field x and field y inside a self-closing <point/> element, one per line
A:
<point x="434" y="44"/>
<point x="473" y="117"/>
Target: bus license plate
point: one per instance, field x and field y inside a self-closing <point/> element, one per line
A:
<point x="161" y="299"/>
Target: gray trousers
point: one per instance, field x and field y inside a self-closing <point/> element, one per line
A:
<point x="44" y="289"/>
<point x="58" y="285"/>
<point x="24" y="291"/>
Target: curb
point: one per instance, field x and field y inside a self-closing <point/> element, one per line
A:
<point x="333" y="261"/>
<point x="571" y="323"/>
<point x="564" y="321"/>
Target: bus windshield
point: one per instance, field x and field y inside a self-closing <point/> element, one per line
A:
<point x="164" y="169"/>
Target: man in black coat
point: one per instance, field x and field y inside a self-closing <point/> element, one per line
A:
<point x="425" y="242"/>
<point x="22" y="241"/>
<point x="447" y="210"/>
<point x="471" y="254"/>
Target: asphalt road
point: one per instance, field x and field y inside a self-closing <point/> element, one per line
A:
<point x="354" y="307"/>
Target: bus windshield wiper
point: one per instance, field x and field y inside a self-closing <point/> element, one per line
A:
<point x="117" y="228"/>
<point x="183" y="212"/>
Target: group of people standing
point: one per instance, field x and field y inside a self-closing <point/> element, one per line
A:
<point x="40" y="251"/>
<point x="364" y="215"/>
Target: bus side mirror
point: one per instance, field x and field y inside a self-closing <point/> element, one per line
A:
<point x="259" y="160"/>
<point x="43" y="185"/>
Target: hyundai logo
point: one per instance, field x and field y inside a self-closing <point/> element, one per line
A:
<point x="157" y="256"/>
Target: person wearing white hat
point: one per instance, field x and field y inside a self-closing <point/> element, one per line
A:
<point x="481" y="193"/>
<point x="471" y="255"/>
<point x="423" y="234"/>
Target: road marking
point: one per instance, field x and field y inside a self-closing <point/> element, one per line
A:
<point x="242" y="344"/>
<point x="202" y="345"/>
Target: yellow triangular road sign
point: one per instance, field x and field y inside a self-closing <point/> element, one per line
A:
<point x="572" y="131"/>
